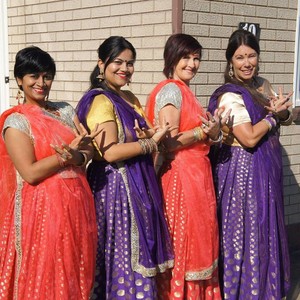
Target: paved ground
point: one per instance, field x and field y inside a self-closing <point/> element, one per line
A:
<point x="294" y="293"/>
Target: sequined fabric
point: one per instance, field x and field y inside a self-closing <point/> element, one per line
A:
<point x="48" y="230"/>
<point x="190" y="206"/>
<point x="169" y="94"/>
<point x="133" y="240"/>
<point x="115" y="277"/>
<point x="254" y="262"/>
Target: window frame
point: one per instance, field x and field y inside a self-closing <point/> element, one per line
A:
<point x="296" y="84"/>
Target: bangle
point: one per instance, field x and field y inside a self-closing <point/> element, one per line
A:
<point x="148" y="145"/>
<point x="268" y="124"/>
<point x="85" y="159"/>
<point x="219" y="139"/>
<point x="198" y="134"/>
<point x="270" y="121"/>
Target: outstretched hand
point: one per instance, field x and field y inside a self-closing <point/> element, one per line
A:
<point x="212" y="125"/>
<point x="70" y="156"/>
<point x="162" y="131"/>
<point x="279" y="105"/>
<point x="82" y="138"/>
<point x="144" y="133"/>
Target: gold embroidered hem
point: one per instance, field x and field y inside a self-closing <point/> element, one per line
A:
<point x="202" y="275"/>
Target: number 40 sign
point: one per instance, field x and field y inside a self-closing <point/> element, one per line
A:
<point x="252" y="27"/>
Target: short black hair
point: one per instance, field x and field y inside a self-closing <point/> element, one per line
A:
<point x="33" y="60"/>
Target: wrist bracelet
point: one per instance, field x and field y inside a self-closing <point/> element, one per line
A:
<point x="219" y="139"/>
<point x="270" y="121"/>
<point x="198" y="133"/>
<point x="268" y="124"/>
<point x="148" y="145"/>
<point x="85" y="159"/>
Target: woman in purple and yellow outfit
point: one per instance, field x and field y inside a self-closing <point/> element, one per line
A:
<point x="133" y="239"/>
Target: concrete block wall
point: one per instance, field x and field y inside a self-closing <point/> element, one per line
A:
<point x="71" y="31"/>
<point x="212" y="22"/>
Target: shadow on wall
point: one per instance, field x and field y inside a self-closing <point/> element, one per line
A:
<point x="292" y="191"/>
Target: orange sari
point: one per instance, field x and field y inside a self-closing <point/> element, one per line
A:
<point x="48" y="230"/>
<point x="190" y="208"/>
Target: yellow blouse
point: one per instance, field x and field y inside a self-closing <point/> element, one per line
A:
<point x="102" y="110"/>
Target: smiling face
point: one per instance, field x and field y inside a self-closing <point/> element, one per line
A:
<point x="187" y="68"/>
<point x="36" y="87"/>
<point x="244" y="63"/>
<point x="119" y="71"/>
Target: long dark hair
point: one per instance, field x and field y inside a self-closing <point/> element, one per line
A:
<point x="107" y="52"/>
<point x="33" y="60"/>
<point x="238" y="38"/>
<point x="177" y="46"/>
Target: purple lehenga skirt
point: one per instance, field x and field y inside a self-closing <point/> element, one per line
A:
<point x="117" y="246"/>
<point x="254" y="261"/>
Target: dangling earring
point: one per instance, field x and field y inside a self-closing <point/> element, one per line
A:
<point x="129" y="84"/>
<point x="101" y="76"/>
<point x="230" y="73"/>
<point x="19" y="96"/>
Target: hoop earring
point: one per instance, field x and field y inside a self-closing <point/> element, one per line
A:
<point x="19" y="96"/>
<point x="230" y="73"/>
<point x="100" y="76"/>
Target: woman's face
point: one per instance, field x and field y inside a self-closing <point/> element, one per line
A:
<point x="119" y="71"/>
<point x="244" y="63"/>
<point x="36" y="86"/>
<point x="187" y="68"/>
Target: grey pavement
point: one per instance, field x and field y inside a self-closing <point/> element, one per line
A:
<point x="294" y="293"/>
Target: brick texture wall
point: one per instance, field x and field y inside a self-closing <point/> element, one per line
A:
<point x="72" y="31"/>
<point x="212" y="22"/>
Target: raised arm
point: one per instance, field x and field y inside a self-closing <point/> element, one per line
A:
<point x="247" y="134"/>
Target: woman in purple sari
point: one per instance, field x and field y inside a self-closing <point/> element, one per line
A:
<point x="254" y="262"/>
<point x="133" y="240"/>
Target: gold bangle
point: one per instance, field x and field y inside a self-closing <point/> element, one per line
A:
<point x="198" y="133"/>
<point x="148" y="146"/>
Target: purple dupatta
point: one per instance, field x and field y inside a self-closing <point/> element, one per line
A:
<point x="155" y="251"/>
